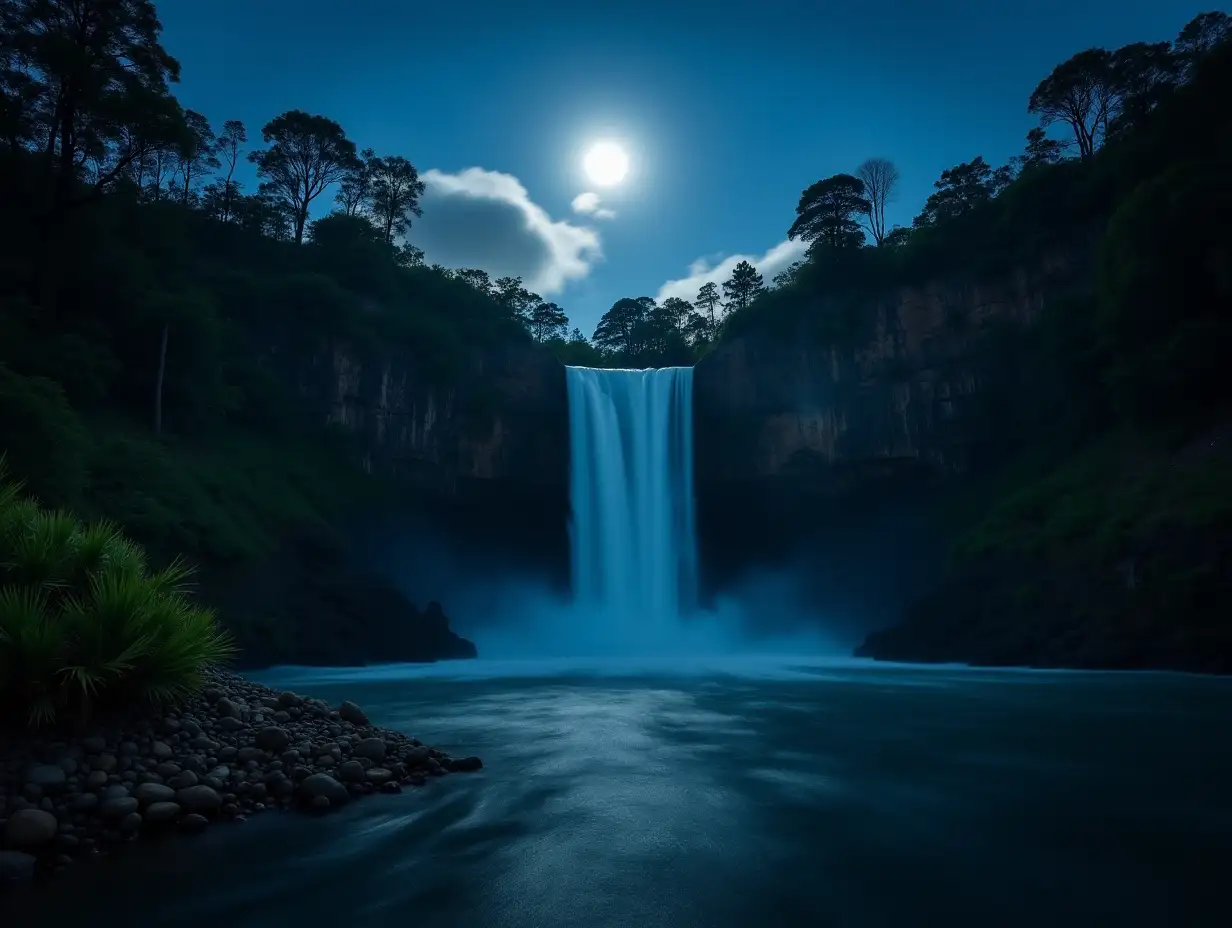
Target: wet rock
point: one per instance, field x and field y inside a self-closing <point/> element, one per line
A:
<point x="349" y="712"/>
<point x="371" y="748"/>
<point x="16" y="867"/>
<point x="273" y="739"/>
<point x="199" y="800"/>
<point x="148" y="793"/>
<point x="162" y="813"/>
<point x="30" y="828"/>
<point x="322" y="784"/>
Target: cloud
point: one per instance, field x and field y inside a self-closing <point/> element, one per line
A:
<point x="486" y="219"/>
<point x="588" y="205"/>
<point x="718" y="269"/>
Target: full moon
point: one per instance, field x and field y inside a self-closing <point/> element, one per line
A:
<point x="606" y="164"/>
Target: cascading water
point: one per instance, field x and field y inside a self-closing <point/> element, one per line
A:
<point x="633" y="532"/>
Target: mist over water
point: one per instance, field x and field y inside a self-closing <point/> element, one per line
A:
<point x="634" y="538"/>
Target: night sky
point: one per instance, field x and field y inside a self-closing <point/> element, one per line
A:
<point x="727" y="111"/>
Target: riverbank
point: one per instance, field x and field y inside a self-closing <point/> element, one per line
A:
<point x="235" y="749"/>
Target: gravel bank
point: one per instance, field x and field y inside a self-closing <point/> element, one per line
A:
<point x="235" y="749"/>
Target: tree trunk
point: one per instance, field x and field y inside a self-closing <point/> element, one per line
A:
<point x="158" y="383"/>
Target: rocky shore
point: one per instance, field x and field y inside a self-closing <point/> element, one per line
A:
<point x="235" y="749"/>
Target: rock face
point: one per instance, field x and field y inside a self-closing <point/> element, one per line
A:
<point x="790" y="428"/>
<point x="895" y="395"/>
<point x="498" y="416"/>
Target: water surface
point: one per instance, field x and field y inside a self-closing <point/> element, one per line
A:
<point x="729" y="794"/>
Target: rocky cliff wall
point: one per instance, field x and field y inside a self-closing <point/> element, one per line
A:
<point x="800" y="441"/>
<point x="895" y="398"/>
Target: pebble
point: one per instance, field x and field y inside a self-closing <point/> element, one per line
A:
<point x="235" y="749"/>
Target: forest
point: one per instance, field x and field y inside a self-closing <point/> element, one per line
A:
<point x="136" y="274"/>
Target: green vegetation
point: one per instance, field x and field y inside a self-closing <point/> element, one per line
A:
<point x="169" y="342"/>
<point x="85" y="623"/>
<point x="1087" y="410"/>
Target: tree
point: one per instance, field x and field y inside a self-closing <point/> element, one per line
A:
<point x="709" y="302"/>
<point x="698" y="330"/>
<point x="515" y="298"/>
<point x="961" y="189"/>
<point x="618" y="329"/>
<point x="1040" y="150"/>
<point x="1200" y="35"/>
<point x="827" y="210"/>
<point x="307" y="154"/>
<point x="354" y="189"/>
<point x="880" y="178"/>
<point x="1142" y="75"/>
<point x="394" y="192"/>
<point x="1078" y="92"/>
<point x="198" y="156"/>
<point x="407" y="255"/>
<point x="477" y="279"/>
<point x="742" y="287"/>
<point x="897" y="237"/>
<point x="548" y="321"/>
<point x="95" y="80"/>
<point x="676" y="310"/>
<point x="787" y="275"/>
<point x="233" y="135"/>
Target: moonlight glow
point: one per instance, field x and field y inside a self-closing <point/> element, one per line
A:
<point x="606" y="164"/>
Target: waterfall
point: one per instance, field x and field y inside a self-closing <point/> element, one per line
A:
<point x="633" y="533"/>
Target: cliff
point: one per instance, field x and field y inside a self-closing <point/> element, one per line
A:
<point x="499" y="417"/>
<point x="900" y="397"/>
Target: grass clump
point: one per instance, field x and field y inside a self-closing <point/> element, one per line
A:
<point x="86" y="623"/>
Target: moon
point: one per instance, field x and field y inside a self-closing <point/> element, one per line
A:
<point x="606" y="164"/>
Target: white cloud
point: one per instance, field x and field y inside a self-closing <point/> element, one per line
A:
<point x="717" y="269"/>
<point x="588" y="205"/>
<point x="486" y="219"/>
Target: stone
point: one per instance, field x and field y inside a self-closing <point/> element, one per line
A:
<point x="351" y="772"/>
<point x="162" y="751"/>
<point x="349" y="712"/>
<point x="16" y="867"/>
<point x="114" y="809"/>
<point x="148" y="793"/>
<point x="371" y="748"/>
<point x="86" y="802"/>
<point x="194" y="823"/>
<point x="199" y="800"/>
<point x="131" y="822"/>
<point x="378" y="776"/>
<point x="94" y="744"/>
<point x="322" y="784"/>
<point x="30" y="828"/>
<point x="230" y="723"/>
<point x="320" y="803"/>
<point x="464" y="764"/>
<point x="273" y="739"/>
<point x="161" y="813"/>
<point x="227" y="709"/>
<point x="183" y="779"/>
<point x="417" y="756"/>
<point x="96" y="780"/>
<point x="115" y="791"/>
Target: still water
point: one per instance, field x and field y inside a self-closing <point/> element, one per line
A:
<point x="736" y="793"/>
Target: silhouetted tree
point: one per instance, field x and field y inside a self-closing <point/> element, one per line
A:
<point x="355" y="188"/>
<point x="199" y="155"/>
<point x="709" y="302"/>
<point x="743" y="287"/>
<point x="1142" y="75"/>
<point x="307" y="154"/>
<point x="827" y="211"/>
<point x="960" y="189"/>
<point x="230" y="140"/>
<point x="547" y="321"/>
<point x="618" y="329"/>
<point x="897" y="237"/>
<point x="880" y="178"/>
<point x="1040" y="150"/>
<point x="787" y="275"/>
<point x="1078" y="92"/>
<point x="1199" y="36"/>
<point x="393" y="194"/>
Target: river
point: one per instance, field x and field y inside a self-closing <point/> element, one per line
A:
<point x="727" y="793"/>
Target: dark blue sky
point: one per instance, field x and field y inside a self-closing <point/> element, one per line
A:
<point x="729" y="110"/>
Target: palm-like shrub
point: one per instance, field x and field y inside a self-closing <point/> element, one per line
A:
<point x="85" y="622"/>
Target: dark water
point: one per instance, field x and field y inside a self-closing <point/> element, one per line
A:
<point x="750" y="794"/>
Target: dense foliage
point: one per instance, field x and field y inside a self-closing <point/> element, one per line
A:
<point x="161" y="327"/>
<point x="84" y="621"/>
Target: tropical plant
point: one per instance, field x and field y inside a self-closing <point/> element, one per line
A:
<point x="86" y="623"/>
